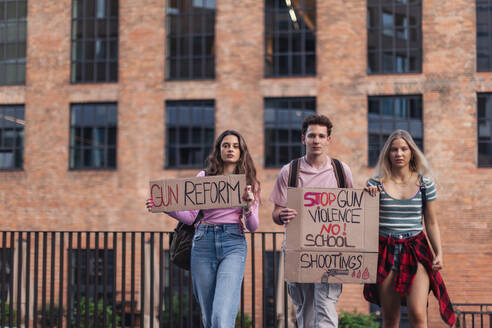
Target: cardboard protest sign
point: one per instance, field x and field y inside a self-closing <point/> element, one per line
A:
<point x="218" y="191"/>
<point x="334" y="237"/>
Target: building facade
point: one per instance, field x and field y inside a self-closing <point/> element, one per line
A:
<point x="97" y="97"/>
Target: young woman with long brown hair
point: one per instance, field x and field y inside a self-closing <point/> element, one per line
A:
<point x="218" y="254"/>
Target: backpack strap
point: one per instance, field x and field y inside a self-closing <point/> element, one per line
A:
<point x="294" y="172"/>
<point x="423" y="192"/>
<point x="339" y="173"/>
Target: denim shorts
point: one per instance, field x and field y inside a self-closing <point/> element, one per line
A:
<point x="398" y="246"/>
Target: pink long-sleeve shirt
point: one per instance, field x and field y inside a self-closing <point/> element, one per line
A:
<point x="220" y="215"/>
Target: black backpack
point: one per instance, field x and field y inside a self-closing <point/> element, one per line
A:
<point x="181" y="240"/>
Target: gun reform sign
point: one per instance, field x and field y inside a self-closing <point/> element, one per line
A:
<point x="334" y="237"/>
<point x="218" y="191"/>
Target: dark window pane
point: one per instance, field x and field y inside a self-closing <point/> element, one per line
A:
<point x="94" y="38"/>
<point x="111" y="157"/>
<point x="11" y="137"/>
<point x="89" y="71"/>
<point x="190" y="40"/>
<point x="393" y="31"/>
<point x="189" y="132"/>
<point x="282" y="121"/>
<point x="388" y="113"/>
<point x="290" y="44"/>
<point x="12" y="43"/>
<point x="92" y="135"/>
<point x="484" y="129"/>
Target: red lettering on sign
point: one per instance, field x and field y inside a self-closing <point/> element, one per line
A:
<point x="333" y="228"/>
<point x="317" y="198"/>
<point x="160" y="199"/>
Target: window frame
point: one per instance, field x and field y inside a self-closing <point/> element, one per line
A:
<point x="14" y="148"/>
<point x="479" y="119"/>
<point x="378" y="30"/>
<point x="172" y="62"/>
<point x="204" y="144"/>
<point x="380" y="133"/>
<point x="290" y="144"/>
<point x="110" y="42"/>
<point x="18" y="62"/>
<point x="89" y="257"/>
<point x="105" y="147"/>
<point x="273" y="31"/>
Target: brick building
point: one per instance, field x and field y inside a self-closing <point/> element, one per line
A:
<point x="97" y="97"/>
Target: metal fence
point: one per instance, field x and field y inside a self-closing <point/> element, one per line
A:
<point x="123" y="279"/>
<point x="474" y="315"/>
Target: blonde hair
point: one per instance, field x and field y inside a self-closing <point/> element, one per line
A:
<point x="418" y="162"/>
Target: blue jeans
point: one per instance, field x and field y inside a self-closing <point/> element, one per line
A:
<point x="218" y="259"/>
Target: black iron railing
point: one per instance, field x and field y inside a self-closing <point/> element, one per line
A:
<point x="474" y="315"/>
<point x="125" y="279"/>
<point x="122" y="279"/>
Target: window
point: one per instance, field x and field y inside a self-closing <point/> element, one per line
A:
<point x="394" y="36"/>
<point x="484" y="33"/>
<point x="190" y="132"/>
<point x="11" y="137"/>
<point x="484" y="128"/>
<point x="93" y="136"/>
<point x="13" y="24"/>
<point x="388" y="113"/>
<point x="283" y="119"/>
<point x="93" y="273"/>
<point x="94" y="41"/>
<point x="290" y="38"/>
<point x="190" y="39"/>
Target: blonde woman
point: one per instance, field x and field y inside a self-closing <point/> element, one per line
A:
<point x="407" y="268"/>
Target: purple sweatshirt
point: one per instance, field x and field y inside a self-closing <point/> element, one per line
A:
<point x="220" y="215"/>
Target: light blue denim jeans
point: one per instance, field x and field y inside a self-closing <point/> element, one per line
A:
<point x="218" y="259"/>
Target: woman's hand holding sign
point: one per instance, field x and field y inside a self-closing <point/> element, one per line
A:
<point x="249" y="198"/>
<point x="149" y="203"/>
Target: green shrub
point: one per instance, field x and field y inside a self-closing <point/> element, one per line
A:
<point x="357" y="320"/>
<point x="5" y="314"/>
<point x="96" y="313"/>
<point x="248" y="322"/>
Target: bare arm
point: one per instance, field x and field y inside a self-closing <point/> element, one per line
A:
<point x="434" y="234"/>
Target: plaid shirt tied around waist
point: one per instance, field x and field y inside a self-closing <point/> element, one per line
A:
<point x="414" y="250"/>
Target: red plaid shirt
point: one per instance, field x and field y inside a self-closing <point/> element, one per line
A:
<point x="414" y="249"/>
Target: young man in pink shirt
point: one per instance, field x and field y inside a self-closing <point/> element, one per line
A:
<point x="315" y="302"/>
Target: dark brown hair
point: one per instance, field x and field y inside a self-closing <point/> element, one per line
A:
<point x="316" y="119"/>
<point x="244" y="165"/>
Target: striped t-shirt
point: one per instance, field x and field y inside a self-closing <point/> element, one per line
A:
<point x="402" y="215"/>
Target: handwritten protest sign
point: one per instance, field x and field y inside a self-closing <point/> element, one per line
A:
<point x="334" y="237"/>
<point x="218" y="191"/>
